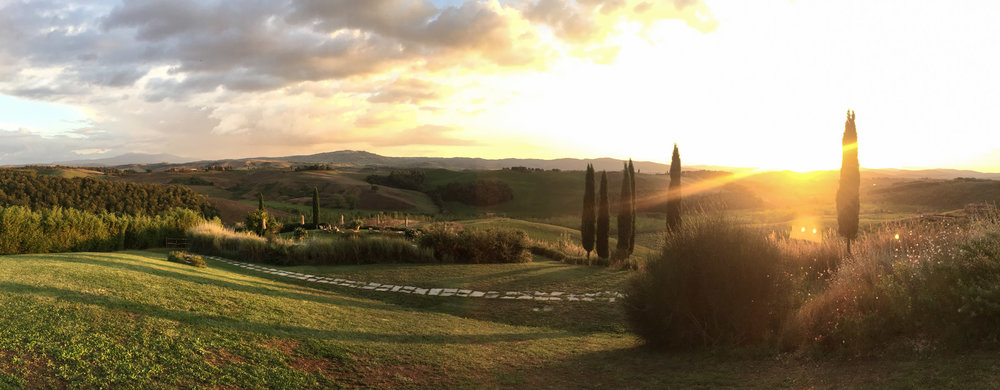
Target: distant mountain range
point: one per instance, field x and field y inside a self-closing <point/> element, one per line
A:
<point x="128" y="159"/>
<point x="360" y="159"/>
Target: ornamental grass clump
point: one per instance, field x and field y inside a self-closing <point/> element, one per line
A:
<point x="716" y="282"/>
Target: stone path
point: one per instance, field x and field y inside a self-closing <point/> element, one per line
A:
<point x="605" y="296"/>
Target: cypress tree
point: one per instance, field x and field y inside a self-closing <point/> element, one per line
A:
<point x="315" y="208"/>
<point x="625" y="214"/>
<point x="848" y="198"/>
<point x="631" y="178"/>
<point x="260" y="201"/>
<point x="603" y="218"/>
<point x="588" y="228"/>
<point x="674" y="192"/>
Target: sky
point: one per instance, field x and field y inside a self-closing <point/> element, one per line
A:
<point x="761" y="84"/>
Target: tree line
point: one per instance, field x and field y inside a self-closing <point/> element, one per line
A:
<point x="595" y="227"/>
<point x="27" y="188"/>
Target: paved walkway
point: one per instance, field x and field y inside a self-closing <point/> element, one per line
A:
<point x="605" y="296"/>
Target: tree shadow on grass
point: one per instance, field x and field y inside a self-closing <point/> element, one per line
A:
<point x="91" y="257"/>
<point x="267" y="329"/>
<point x="214" y="280"/>
<point x="465" y="280"/>
<point x="584" y="317"/>
<point x="639" y="367"/>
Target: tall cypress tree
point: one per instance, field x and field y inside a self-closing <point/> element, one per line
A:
<point x="603" y="218"/>
<point x="589" y="220"/>
<point x="315" y="208"/>
<point x="625" y="214"/>
<point x="631" y="178"/>
<point x="848" y="198"/>
<point x="260" y="201"/>
<point x="674" y="192"/>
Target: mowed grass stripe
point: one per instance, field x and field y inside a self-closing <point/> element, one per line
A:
<point x="132" y="318"/>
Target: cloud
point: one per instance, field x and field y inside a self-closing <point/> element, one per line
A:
<point x="435" y="135"/>
<point x="22" y="146"/>
<point x="408" y="90"/>
<point x="159" y="74"/>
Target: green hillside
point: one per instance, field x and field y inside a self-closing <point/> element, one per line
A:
<point x="133" y="320"/>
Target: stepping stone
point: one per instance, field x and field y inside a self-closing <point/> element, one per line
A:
<point x="368" y="287"/>
<point x="540" y="293"/>
<point x="556" y="293"/>
<point x="507" y="297"/>
<point x="408" y="287"/>
<point x="476" y="294"/>
<point x="338" y="280"/>
<point x="541" y="298"/>
<point x="573" y="299"/>
<point x="555" y="299"/>
<point x="373" y="284"/>
<point x="525" y="297"/>
<point x="462" y="295"/>
<point x="447" y="294"/>
<point x="585" y="299"/>
<point x="382" y="289"/>
<point x="464" y="291"/>
<point x="396" y="288"/>
<point x="493" y="292"/>
<point x="420" y="291"/>
<point x="450" y="290"/>
<point x="434" y="291"/>
<point x="491" y="296"/>
<point x="611" y="300"/>
<point x="512" y="293"/>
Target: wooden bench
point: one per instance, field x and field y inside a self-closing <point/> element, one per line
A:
<point x="177" y="242"/>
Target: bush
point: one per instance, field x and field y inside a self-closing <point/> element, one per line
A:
<point x="214" y="239"/>
<point x="255" y="222"/>
<point x="186" y="258"/>
<point x="452" y="244"/>
<point x="300" y="233"/>
<point x="69" y="230"/>
<point x="565" y="250"/>
<point x="716" y="282"/>
<point x="934" y="286"/>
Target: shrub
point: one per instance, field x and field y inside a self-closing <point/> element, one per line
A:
<point x="186" y="258"/>
<point x="716" y="282"/>
<point x="934" y="286"/>
<point x="300" y="233"/>
<point x="255" y="222"/>
<point x="565" y="250"/>
<point x="216" y="240"/>
<point x="452" y="244"/>
<point x="68" y="230"/>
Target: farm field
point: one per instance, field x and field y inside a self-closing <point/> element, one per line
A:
<point x="133" y="319"/>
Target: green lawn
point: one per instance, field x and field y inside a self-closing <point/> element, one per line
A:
<point x="538" y="275"/>
<point x="134" y="320"/>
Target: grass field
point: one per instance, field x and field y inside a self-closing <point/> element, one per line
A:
<point x="134" y="320"/>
